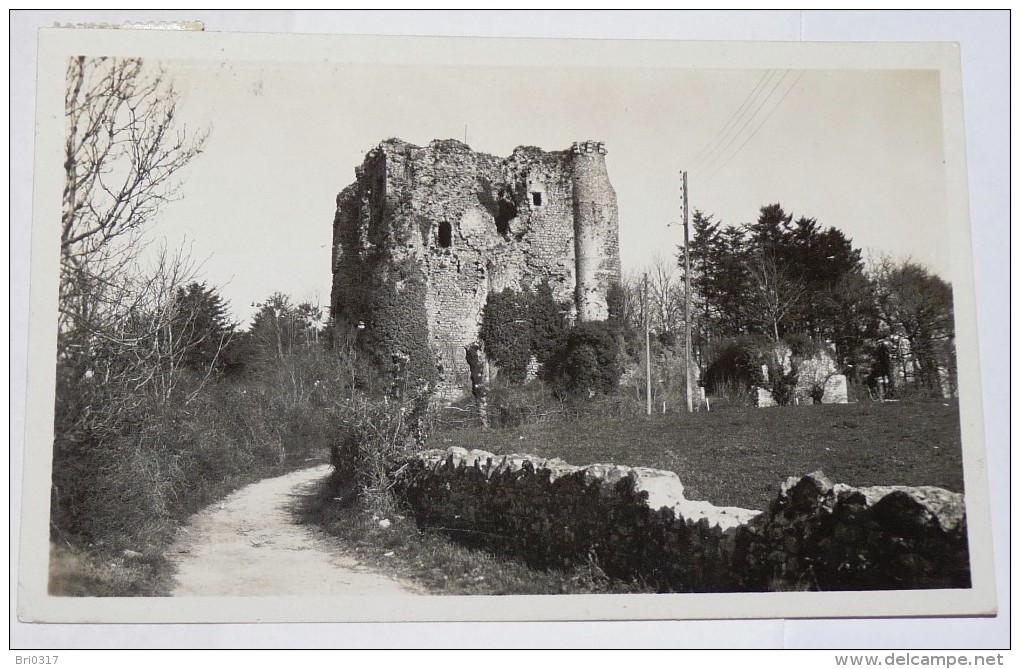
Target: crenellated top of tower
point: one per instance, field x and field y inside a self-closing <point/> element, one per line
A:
<point x="588" y="146"/>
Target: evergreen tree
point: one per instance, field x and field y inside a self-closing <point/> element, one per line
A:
<point x="734" y="281"/>
<point x="781" y="276"/>
<point x="588" y="361"/>
<point x="203" y="328"/>
<point x="280" y="327"/>
<point x="548" y="321"/>
<point x="771" y="233"/>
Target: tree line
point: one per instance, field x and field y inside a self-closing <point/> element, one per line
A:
<point x="888" y="323"/>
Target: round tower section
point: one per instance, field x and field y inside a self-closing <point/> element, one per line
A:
<point x="596" y="231"/>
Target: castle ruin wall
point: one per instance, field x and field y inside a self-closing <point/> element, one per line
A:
<point x="427" y="233"/>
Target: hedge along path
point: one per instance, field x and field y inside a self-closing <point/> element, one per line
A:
<point x="251" y="543"/>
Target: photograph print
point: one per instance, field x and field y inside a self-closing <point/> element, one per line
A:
<point x="378" y="320"/>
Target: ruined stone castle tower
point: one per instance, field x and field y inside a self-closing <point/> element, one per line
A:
<point x="424" y="234"/>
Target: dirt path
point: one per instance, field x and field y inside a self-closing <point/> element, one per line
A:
<point x="251" y="543"/>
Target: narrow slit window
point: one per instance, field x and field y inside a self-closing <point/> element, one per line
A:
<point x="445" y="235"/>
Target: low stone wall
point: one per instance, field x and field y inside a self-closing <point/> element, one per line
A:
<point x="636" y="524"/>
<point x="818" y="535"/>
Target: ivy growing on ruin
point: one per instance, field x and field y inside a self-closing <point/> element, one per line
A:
<point x="520" y="325"/>
<point x="587" y="362"/>
<point x="396" y="326"/>
<point x="506" y="333"/>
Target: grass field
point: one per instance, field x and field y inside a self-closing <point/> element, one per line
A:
<point x="740" y="456"/>
<point x="733" y="456"/>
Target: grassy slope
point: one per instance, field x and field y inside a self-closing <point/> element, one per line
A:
<point x="740" y="456"/>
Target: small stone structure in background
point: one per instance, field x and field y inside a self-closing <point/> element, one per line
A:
<point x="818" y="378"/>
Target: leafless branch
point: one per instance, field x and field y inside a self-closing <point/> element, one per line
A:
<point x="777" y="293"/>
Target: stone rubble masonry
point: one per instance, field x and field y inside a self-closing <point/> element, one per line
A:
<point x="474" y="224"/>
<point x="636" y="524"/>
<point x="663" y="487"/>
<point x="817" y="371"/>
<point x="835" y="390"/>
<point x="817" y="535"/>
<point x="763" y="397"/>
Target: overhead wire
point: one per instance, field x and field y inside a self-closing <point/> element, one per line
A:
<point x="758" y="127"/>
<point x="707" y="150"/>
<point x="740" y="121"/>
<point x="753" y="115"/>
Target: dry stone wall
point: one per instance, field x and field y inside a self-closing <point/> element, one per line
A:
<point x="636" y="524"/>
<point x="819" y="535"/>
<point x="448" y="226"/>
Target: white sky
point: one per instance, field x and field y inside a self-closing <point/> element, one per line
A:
<point x="858" y="150"/>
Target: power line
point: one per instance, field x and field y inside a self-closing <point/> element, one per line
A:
<point x="741" y="119"/>
<point x="759" y="127"/>
<point x="707" y="149"/>
<point x="761" y="105"/>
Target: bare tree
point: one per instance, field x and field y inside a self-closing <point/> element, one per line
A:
<point x="631" y="302"/>
<point x="119" y="317"/>
<point x="123" y="151"/>
<point x="667" y="295"/>
<point x="916" y="308"/>
<point x="775" y="293"/>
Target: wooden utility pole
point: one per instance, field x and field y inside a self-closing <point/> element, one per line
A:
<point x="648" y="353"/>
<point x="687" y="302"/>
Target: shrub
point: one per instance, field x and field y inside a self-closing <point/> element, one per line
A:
<point x="587" y="362"/>
<point x="377" y="434"/>
<point x="783" y="384"/>
<point x="140" y="446"/>
<point x="532" y="403"/>
<point x="127" y="481"/>
<point x="734" y="364"/>
<point x="519" y="326"/>
<point x="506" y="333"/>
<point x="548" y="322"/>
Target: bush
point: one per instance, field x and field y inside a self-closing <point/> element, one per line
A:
<point x="587" y="362"/>
<point x="734" y="365"/>
<point x="519" y="326"/>
<point x="169" y="457"/>
<point x="127" y="481"/>
<point x="784" y="385"/>
<point x="506" y="333"/>
<point x="376" y="434"/>
<point x="138" y="448"/>
<point x="548" y="322"/>
<point x="529" y="404"/>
